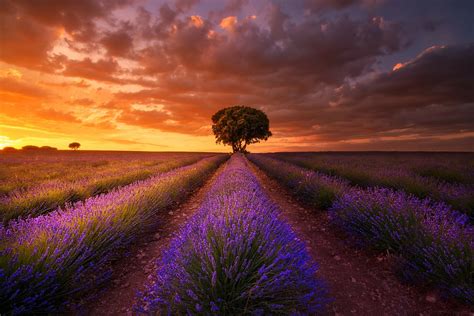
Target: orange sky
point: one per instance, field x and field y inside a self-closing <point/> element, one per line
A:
<point x="148" y="75"/>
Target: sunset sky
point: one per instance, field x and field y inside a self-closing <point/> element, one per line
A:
<point x="148" y="74"/>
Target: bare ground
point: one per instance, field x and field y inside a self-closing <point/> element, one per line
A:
<point x="131" y="273"/>
<point x="360" y="282"/>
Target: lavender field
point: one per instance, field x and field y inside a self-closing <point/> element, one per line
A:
<point x="112" y="233"/>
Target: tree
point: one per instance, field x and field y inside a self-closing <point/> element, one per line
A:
<point x="30" y="147"/>
<point x="48" y="148"/>
<point x="240" y="126"/>
<point x="10" y="149"/>
<point x="74" y="146"/>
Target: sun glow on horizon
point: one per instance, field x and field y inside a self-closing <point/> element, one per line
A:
<point x="5" y="142"/>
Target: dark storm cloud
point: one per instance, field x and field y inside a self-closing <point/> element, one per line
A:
<point x="318" y="5"/>
<point x="29" y="29"/>
<point x="24" y="42"/>
<point x="429" y="95"/>
<point x="75" y="16"/>
<point x="321" y="69"/>
<point x="118" y="43"/>
<point x="330" y="50"/>
<point x="101" y="70"/>
<point x="440" y="74"/>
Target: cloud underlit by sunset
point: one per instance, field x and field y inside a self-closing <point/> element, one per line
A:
<point x="149" y="74"/>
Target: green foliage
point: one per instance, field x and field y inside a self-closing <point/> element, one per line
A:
<point x="239" y="126"/>
<point x="443" y="174"/>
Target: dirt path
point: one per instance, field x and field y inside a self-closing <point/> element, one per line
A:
<point x="360" y="283"/>
<point x="130" y="274"/>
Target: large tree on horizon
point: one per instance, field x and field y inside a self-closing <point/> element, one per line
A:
<point x="239" y="126"/>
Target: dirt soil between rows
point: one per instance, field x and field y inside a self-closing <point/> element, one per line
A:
<point x="360" y="282"/>
<point x="133" y="273"/>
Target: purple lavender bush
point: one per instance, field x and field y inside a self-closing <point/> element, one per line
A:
<point x="372" y="171"/>
<point x="46" y="260"/>
<point x="235" y="257"/>
<point x="435" y="243"/>
<point x="314" y="188"/>
<point x="50" y="195"/>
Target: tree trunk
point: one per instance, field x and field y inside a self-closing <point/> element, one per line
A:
<point x="238" y="147"/>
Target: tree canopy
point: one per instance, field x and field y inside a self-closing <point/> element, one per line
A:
<point x="30" y="147"/>
<point x="74" y="146"/>
<point x="239" y="126"/>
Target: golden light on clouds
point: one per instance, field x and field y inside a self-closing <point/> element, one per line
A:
<point x="397" y="66"/>
<point x="197" y="21"/>
<point x="229" y="23"/>
<point x="10" y="73"/>
<point x="149" y="75"/>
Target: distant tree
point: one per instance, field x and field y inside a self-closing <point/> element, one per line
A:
<point x="30" y="147"/>
<point x="10" y="149"/>
<point x="239" y="126"/>
<point x="48" y="148"/>
<point x="74" y="146"/>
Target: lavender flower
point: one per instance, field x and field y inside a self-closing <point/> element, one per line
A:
<point x="50" y="258"/>
<point x="435" y="243"/>
<point x="314" y="188"/>
<point x="442" y="178"/>
<point x="52" y="193"/>
<point x="235" y="257"/>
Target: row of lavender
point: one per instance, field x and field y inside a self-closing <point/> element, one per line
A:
<point x="435" y="244"/>
<point x="46" y="260"/>
<point x="439" y="176"/>
<point x="235" y="257"/>
<point x="50" y="195"/>
<point x="448" y="167"/>
<point x="23" y="171"/>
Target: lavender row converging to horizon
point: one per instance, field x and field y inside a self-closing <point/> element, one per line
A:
<point x="49" y="195"/>
<point x="235" y="257"/>
<point x="421" y="175"/>
<point x="44" y="261"/>
<point x="24" y="171"/>
<point x="434" y="242"/>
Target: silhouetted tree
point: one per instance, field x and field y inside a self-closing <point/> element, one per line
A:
<point x="10" y="149"/>
<point x="30" y="147"/>
<point x="74" y="146"/>
<point x="240" y="126"/>
<point x="48" y="148"/>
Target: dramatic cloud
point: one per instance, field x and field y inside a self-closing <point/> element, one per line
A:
<point x="24" y="42"/>
<point x="101" y="70"/>
<point x="118" y="43"/>
<point x="332" y="74"/>
<point x="54" y="115"/>
<point x="9" y="85"/>
<point x="431" y="94"/>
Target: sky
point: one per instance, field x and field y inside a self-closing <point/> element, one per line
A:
<point x="149" y="74"/>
